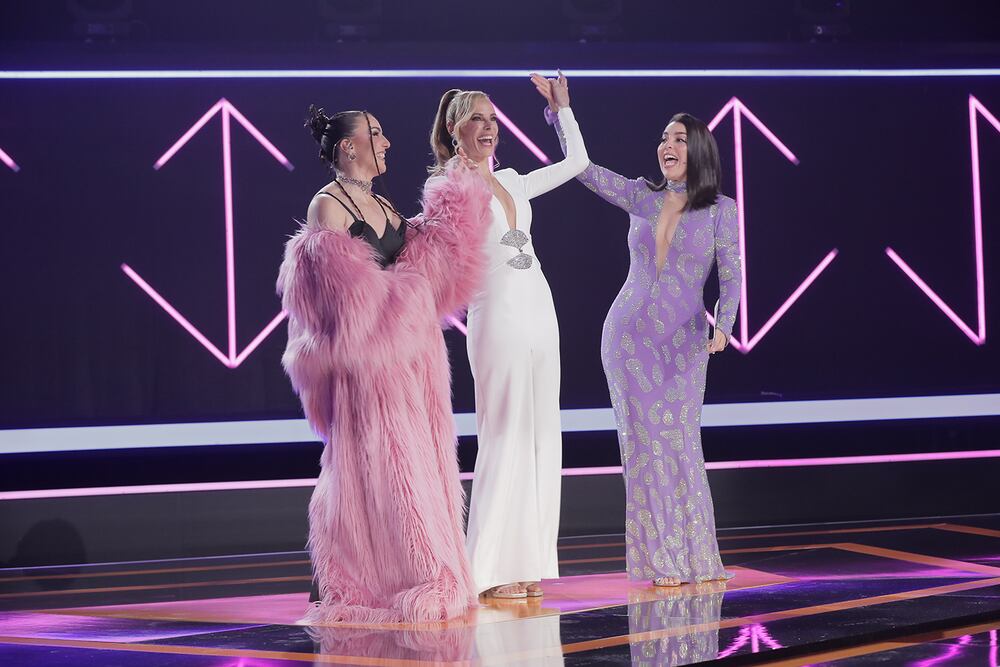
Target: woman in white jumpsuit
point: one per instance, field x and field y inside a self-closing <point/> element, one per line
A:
<point x="513" y="348"/>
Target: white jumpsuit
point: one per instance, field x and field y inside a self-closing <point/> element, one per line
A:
<point x="514" y="354"/>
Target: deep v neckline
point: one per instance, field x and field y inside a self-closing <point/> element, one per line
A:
<point x="362" y="221"/>
<point x="510" y="227"/>
<point x="388" y="226"/>
<point x="658" y="270"/>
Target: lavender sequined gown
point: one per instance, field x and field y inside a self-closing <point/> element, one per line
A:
<point x="654" y="350"/>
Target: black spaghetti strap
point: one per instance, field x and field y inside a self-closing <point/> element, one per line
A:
<point x="403" y="221"/>
<point x="378" y="200"/>
<point x="341" y="202"/>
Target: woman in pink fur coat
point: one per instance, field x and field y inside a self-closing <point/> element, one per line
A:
<point x="367" y="357"/>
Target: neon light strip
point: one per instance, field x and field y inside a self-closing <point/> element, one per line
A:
<point x="259" y="136"/>
<point x="744" y="110"/>
<point x="227" y="188"/>
<point x="744" y="342"/>
<point x="567" y="472"/>
<point x="495" y="73"/>
<point x="950" y="651"/>
<point x="157" y="488"/>
<point x="977" y="205"/>
<point x="738" y="642"/>
<point x="760" y="630"/>
<point x="183" y="321"/>
<point x="264" y="333"/>
<point x="193" y="130"/>
<point x="458" y="324"/>
<point x="754" y="634"/>
<point x="741" y="212"/>
<point x="8" y="160"/>
<point x="521" y="136"/>
<point x="269" y="431"/>
<point x="978" y="337"/>
<point x="938" y="301"/>
<point x="156" y="561"/>
<point x="854" y="460"/>
<point x="792" y="299"/>
<point x="722" y="114"/>
<point x="228" y="111"/>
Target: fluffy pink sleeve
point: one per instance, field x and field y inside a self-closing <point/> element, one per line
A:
<point x="446" y="241"/>
<point x="345" y="312"/>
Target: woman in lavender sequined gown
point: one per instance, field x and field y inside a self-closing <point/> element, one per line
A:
<point x="655" y="349"/>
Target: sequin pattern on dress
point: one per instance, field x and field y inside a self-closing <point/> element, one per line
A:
<point x="655" y="356"/>
<point x="517" y="239"/>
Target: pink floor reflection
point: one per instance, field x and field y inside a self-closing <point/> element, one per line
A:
<point x="564" y="595"/>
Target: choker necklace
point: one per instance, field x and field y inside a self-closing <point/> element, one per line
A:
<point x="677" y="186"/>
<point x="364" y="185"/>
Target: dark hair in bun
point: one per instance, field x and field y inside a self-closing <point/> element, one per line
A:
<point x="329" y="131"/>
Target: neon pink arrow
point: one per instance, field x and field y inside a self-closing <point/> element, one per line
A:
<point x="978" y="337"/>
<point x="228" y="112"/>
<point x="9" y="161"/>
<point x="744" y="343"/>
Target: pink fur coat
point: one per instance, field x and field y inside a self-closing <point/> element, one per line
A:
<point x="367" y="357"/>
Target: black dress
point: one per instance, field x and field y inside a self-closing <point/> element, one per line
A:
<point x="388" y="245"/>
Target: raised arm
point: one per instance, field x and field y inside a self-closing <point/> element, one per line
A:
<point x="727" y="258"/>
<point x="540" y="181"/>
<point x="446" y="244"/>
<point x="609" y="186"/>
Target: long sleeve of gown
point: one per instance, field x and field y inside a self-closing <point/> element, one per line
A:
<point x="446" y="245"/>
<point x="547" y="178"/>
<point x="609" y="186"/>
<point x="727" y="258"/>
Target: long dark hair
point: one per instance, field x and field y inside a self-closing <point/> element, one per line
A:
<point x="329" y="131"/>
<point x="704" y="170"/>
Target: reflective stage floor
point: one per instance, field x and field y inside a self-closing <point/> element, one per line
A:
<point x="912" y="592"/>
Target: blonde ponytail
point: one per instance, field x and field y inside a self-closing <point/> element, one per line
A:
<point x="454" y="109"/>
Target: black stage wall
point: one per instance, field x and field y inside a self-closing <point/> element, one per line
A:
<point x="895" y="145"/>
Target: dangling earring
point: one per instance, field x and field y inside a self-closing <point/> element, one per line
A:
<point x="454" y="145"/>
<point x="352" y="157"/>
<point x="496" y="162"/>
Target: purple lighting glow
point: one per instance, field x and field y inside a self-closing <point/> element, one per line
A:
<point x="8" y="160"/>
<point x="567" y="472"/>
<point x="753" y="635"/>
<point x="951" y="651"/>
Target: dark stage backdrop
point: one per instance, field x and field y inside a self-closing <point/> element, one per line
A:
<point x="881" y="162"/>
